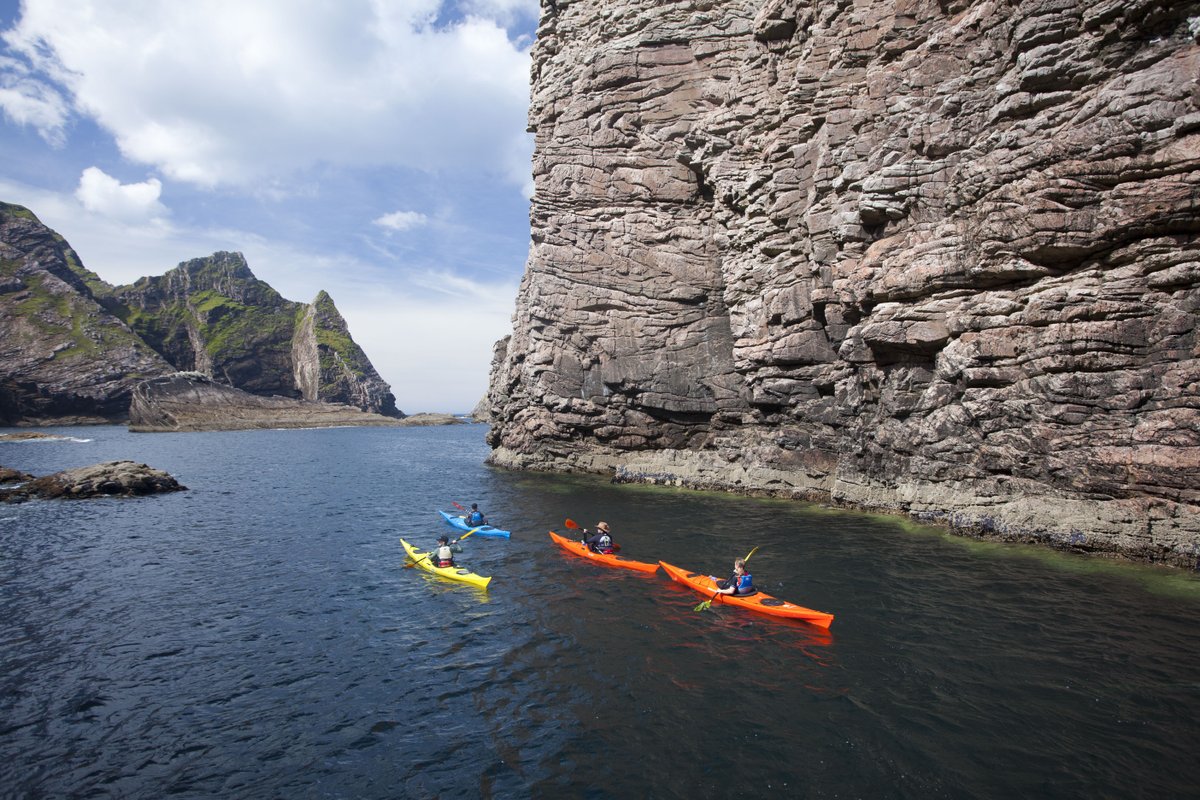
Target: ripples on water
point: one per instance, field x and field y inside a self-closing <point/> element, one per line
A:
<point x="258" y="636"/>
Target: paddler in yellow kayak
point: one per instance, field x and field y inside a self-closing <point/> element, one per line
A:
<point x="443" y="555"/>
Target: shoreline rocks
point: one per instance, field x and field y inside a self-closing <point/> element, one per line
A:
<point x="193" y="402"/>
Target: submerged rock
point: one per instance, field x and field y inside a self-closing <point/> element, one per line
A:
<point x="111" y="479"/>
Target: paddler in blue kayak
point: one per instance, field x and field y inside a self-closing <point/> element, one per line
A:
<point x="740" y="583"/>
<point x="602" y="542"/>
<point x="443" y="556"/>
<point x="475" y="517"/>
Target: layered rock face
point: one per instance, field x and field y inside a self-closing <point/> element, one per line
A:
<point x="62" y="354"/>
<point x="932" y="257"/>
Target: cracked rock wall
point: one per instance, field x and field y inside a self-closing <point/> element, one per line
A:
<point x="934" y="257"/>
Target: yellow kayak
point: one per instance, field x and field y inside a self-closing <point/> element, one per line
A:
<point x="452" y="573"/>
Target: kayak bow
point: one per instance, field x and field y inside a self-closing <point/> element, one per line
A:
<point x="451" y="573"/>
<point x="580" y="549"/>
<point x="759" y="601"/>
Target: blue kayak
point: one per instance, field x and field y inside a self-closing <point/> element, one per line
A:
<point x="483" y="530"/>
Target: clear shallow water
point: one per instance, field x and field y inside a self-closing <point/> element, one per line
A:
<point x="258" y="636"/>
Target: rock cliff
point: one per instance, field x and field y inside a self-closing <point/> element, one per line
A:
<point x="72" y="347"/>
<point x="928" y="256"/>
<point x="63" y="356"/>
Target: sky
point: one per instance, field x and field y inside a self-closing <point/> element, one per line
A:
<point x="375" y="149"/>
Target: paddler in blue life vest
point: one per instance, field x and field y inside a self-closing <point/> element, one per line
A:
<point x="602" y="542"/>
<point x="475" y="517"/>
<point x="740" y="583"/>
<point x="443" y="555"/>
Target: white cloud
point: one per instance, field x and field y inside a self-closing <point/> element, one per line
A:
<point x="28" y="101"/>
<point x="103" y="194"/>
<point x="506" y="12"/>
<point x="402" y="220"/>
<point x="219" y="93"/>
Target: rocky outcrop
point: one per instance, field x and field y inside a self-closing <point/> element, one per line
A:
<point x="194" y="402"/>
<point x="110" y="479"/>
<point x="932" y="257"/>
<point x="212" y="315"/>
<point x="9" y="475"/>
<point x="63" y="356"/>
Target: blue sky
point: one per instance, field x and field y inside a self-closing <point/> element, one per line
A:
<point x="375" y="149"/>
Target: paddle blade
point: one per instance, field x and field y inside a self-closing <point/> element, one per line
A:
<point x="456" y="505"/>
<point x="704" y="605"/>
<point x="572" y="524"/>
<point x="752" y="552"/>
<point x="468" y="533"/>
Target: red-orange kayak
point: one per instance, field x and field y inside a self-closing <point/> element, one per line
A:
<point x="759" y="601"/>
<point x="579" y="549"/>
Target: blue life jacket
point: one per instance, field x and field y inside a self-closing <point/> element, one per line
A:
<point x="743" y="585"/>
<point x="475" y="518"/>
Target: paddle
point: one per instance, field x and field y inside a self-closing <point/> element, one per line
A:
<point x="422" y="558"/>
<point x="705" y="605"/>
<point x="573" y="525"/>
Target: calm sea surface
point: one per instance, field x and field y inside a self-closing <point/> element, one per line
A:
<point x="258" y="637"/>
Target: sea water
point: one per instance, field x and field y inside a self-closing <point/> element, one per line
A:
<point x="258" y="636"/>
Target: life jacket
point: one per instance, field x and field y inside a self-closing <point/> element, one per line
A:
<point x="743" y="585"/>
<point x="443" y="556"/>
<point x="604" y="544"/>
<point x="475" y="518"/>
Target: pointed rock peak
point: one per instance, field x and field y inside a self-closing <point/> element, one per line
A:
<point x="326" y="311"/>
<point x="223" y="272"/>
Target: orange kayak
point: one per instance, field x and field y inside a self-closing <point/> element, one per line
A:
<point x="579" y="549"/>
<point x="759" y="601"/>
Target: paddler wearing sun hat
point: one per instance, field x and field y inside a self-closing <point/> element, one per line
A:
<point x="602" y="541"/>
